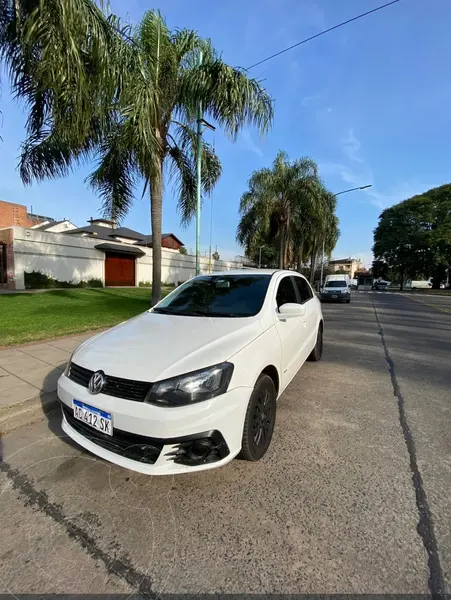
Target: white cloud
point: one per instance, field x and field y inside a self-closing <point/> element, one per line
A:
<point x="356" y="173"/>
<point x="249" y="144"/>
<point x="352" y="147"/>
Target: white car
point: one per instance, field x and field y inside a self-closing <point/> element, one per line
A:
<point x="193" y="382"/>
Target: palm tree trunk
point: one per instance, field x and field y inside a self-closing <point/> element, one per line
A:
<point x="156" y="210"/>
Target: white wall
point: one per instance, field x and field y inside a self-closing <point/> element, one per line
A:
<point x="64" y="257"/>
<point x="177" y="267"/>
<point x="73" y="258"/>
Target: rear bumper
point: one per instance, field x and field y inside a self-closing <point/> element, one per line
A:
<point x="159" y="440"/>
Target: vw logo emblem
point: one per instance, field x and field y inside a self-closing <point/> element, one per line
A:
<point x="97" y="382"/>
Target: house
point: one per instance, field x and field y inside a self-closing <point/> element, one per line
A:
<point x="348" y="265"/>
<point x="113" y="256"/>
<point x="104" y="229"/>
<point x="17" y="214"/>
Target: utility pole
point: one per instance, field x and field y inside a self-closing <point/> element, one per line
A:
<point x="362" y="187"/>
<point x="200" y="122"/>
<point x="199" y="176"/>
<point x="260" y="257"/>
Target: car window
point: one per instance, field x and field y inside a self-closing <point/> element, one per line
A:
<point x="286" y="292"/>
<point x="305" y="291"/>
<point x="217" y="296"/>
<point x="335" y="283"/>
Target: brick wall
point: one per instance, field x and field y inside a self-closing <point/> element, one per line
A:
<point x="6" y="240"/>
<point x="16" y="214"/>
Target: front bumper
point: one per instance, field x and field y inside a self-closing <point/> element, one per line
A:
<point x="157" y="440"/>
<point x="339" y="297"/>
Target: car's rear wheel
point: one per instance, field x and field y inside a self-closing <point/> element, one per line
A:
<point x="317" y="352"/>
<point x="260" y="419"/>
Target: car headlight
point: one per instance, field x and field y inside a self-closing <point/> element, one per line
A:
<point x="67" y="369"/>
<point x="344" y="291"/>
<point x="192" y="387"/>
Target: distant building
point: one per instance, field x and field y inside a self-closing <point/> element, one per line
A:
<point x="349" y="265"/>
<point x="16" y="214"/>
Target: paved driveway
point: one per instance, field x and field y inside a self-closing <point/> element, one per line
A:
<point x="352" y="498"/>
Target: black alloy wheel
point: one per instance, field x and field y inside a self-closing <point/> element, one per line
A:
<point x="260" y="419"/>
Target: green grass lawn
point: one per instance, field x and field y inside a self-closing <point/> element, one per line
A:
<point x="39" y="316"/>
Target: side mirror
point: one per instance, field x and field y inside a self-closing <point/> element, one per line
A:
<point x="291" y="309"/>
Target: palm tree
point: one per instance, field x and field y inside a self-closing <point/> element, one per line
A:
<point x="64" y="61"/>
<point x="140" y="107"/>
<point x="270" y="207"/>
<point x="323" y="228"/>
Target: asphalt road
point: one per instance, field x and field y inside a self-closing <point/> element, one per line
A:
<point x="353" y="497"/>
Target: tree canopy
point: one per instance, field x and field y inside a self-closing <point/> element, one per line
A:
<point x="414" y="236"/>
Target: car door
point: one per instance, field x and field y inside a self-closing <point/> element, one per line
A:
<point x="307" y="299"/>
<point x="290" y="330"/>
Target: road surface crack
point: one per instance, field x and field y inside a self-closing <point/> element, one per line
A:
<point x="425" y="526"/>
<point x="120" y="566"/>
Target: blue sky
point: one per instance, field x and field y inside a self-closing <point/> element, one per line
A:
<point x="369" y="102"/>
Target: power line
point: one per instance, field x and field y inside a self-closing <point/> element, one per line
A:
<point x="369" y="12"/>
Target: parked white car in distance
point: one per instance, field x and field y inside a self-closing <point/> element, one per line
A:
<point x="337" y="288"/>
<point x="193" y="382"/>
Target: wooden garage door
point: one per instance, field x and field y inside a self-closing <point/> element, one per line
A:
<point x="119" y="269"/>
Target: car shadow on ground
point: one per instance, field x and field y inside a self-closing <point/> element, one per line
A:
<point x="51" y="408"/>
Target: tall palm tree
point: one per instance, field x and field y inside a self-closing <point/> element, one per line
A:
<point x="152" y="141"/>
<point x="134" y="99"/>
<point x="270" y="206"/>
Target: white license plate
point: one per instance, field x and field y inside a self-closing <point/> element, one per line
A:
<point x="333" y="296"/>
<point x="94" y="417"/>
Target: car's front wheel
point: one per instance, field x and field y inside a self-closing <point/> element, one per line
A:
<point x="260" y="419"/>
<point x="317" y="351"/>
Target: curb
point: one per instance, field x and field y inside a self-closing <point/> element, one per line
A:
<point x="26" y="413"/>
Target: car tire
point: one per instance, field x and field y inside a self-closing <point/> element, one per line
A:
<point x="348" y="301"/>
<point x="260" y="419"/>
<point x="317" y="352"/>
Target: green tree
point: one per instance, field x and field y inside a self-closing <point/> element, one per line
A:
<point x="130" y="100"/>
<point x="215" y="255"/>
<point x="414" y="236"/>
<point x="269" y="209"/>
<point x="183" y="250"/>
<point x="169" y="65"/>
<point x="380" y="269"/>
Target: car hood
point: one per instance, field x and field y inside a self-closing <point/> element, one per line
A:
<point x="153" y="346"/>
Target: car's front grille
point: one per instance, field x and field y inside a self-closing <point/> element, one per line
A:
<point x="79" y="374"/>
<point x="129" y="445"/>
<point x="129" y="389"/>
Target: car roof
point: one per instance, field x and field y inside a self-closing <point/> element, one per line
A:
<point x="247" y="272"/>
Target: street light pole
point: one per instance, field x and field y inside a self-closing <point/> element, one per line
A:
<point x="260" y="257"/>
<point x="362" y="187"/>
<point x="199" y="176"/>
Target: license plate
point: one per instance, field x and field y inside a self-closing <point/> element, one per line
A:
<point x="333" y="296"/>
<point x="94" y="417"/>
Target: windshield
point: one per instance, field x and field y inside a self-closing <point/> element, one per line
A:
<point x="217" y="296"/>
<point x="338" y="283"/>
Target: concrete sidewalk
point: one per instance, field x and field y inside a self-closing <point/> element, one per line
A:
<point x="28" y="378"/>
